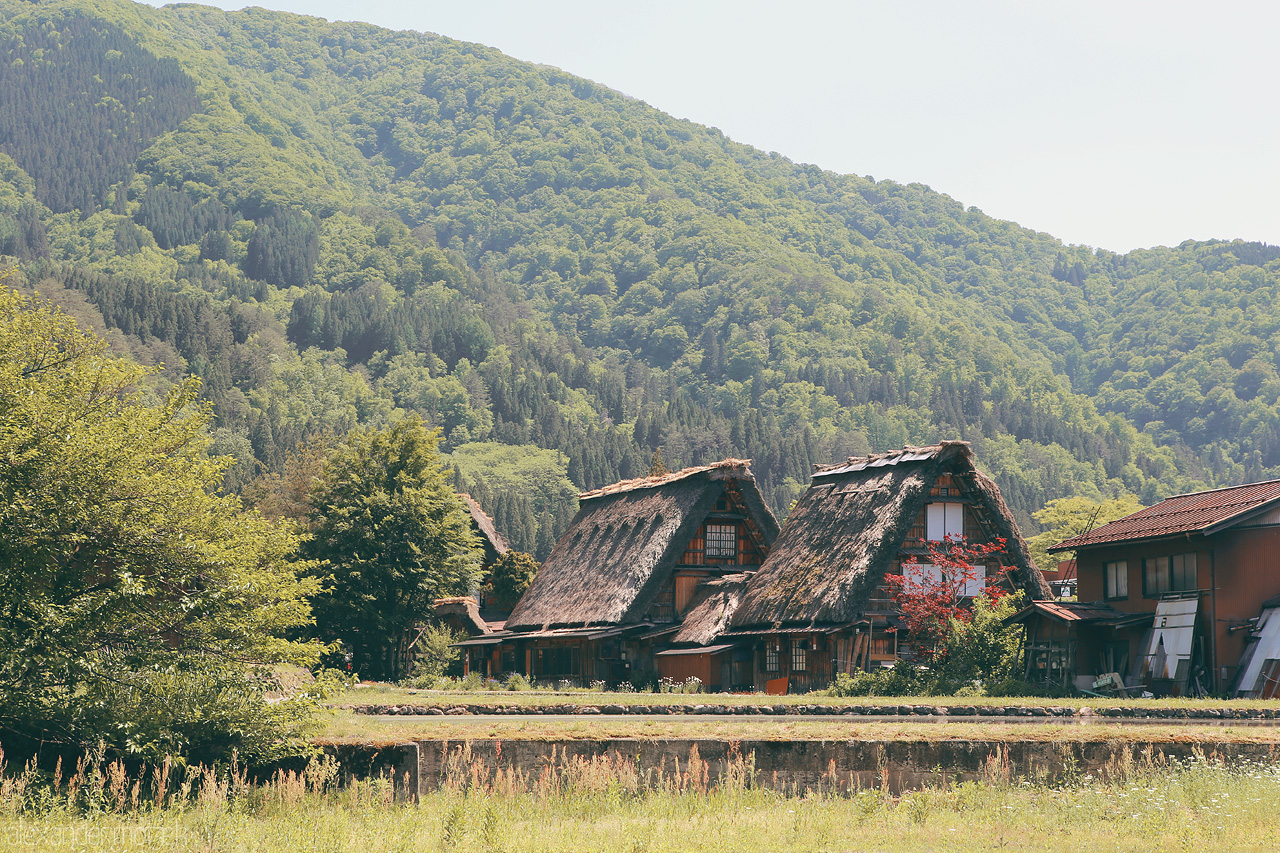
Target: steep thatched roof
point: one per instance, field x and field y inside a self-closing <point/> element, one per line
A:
<point x="495" y="544"/>
<point x="466" y="610"/>
<point x="620" y="547"/>
<point x="846" y="530"/>
<point x="712" y="607"/>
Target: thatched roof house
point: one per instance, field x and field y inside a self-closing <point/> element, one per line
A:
<point x="614" y="565"/>
<point x="639" y="558"/>
<point x="852" y="524"/>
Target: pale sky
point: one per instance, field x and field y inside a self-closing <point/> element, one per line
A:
<point x="1112" y="124"/>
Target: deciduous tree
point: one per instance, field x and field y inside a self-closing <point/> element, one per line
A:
<point x="930" y="602"/>
<point x="393" y="536"/>
<point x="511" y="576"/>
<point x="1067" y="517"/>
<point x="126" y="576"/>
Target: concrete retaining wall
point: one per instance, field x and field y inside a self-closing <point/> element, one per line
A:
<point x="894" y="766"/>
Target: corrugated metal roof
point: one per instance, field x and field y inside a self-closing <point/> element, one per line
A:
<point x="700" y="650"/>
<point x="1073" y="611"/>
<point x="483" y="640"/>
<point x="1192" y="513"/>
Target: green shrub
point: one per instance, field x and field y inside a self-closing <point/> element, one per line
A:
<point x="516" y="681"/>
<point x="903" y="679"/>
<point x="436" y="653"/>
<point x="212" y="711"/>
<point x="982" y="649"/>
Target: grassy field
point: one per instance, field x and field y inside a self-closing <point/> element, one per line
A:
<point x="1192" y="808"/>
<point x="342" y="726"/>
<point x="383" y="694"/>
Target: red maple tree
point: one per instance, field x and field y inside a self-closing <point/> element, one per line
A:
<point x="929" y="601"/>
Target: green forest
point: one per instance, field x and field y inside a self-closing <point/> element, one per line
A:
<point x="333" y="225"/>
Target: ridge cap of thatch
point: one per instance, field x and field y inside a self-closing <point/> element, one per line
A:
<point x="455" y="599"/>
<point x="908" y="453"/>
<point x="742" y="466"/>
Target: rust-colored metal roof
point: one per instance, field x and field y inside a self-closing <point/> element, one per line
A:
<point x="1076" y="611"/>
<point x="1198" y="512"/>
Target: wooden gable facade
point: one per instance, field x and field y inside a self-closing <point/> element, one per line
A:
<point x="820" y="605"/>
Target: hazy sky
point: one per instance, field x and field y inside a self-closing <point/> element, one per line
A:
<point x="1113" y="124"/>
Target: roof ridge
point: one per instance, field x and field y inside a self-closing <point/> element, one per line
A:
<point x="907" y="450"/>
<point x="1192" y="512"/>
<point x="655" y="480"/>
<point x="1219" y="489"/>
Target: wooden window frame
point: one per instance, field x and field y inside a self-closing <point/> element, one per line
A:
<point x="1117" y="571"/>
<point x="940" y="519"/>
<point x="800" y="656"/>
<point x="1166" y="568"/>
<point x="721" y="541"/>
<point x="772" y="657"/>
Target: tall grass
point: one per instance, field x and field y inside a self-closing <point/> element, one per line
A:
<point x="609" y="805"/>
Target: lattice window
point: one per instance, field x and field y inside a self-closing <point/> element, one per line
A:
<point x="1168" y="574"/>
<point x="800" y="656"/>
<point x="771" y="659"/>
<point x="722" y="540"/>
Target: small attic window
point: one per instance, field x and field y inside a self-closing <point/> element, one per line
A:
<point x="722" y="504"/>
<point x="722" y="541"/>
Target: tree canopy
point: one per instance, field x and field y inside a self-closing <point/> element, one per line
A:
<point x="392" y="537"/>
<point x="1064" y="518"/>
<point x="127" y="578"/>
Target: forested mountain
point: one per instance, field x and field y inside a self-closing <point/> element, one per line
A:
<point x="330" y="222"/>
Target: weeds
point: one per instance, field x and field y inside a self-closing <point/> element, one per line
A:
<point x="692" y="684"/>
<point x="576" y="803"/>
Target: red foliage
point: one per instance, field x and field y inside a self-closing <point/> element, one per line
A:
<point x="929" y="600"/>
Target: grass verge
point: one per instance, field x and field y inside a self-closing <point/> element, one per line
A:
<point x="385" y="694"/>
<point x="1194" y="807"/>
<point x="343" y="726"/>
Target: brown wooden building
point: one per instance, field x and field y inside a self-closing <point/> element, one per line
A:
<point x="1198" y="568"/>
<point x="619" y="583"/>
<point x="819" y="604"/>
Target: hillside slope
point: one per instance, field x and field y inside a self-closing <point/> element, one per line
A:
<point x="330" y="222"/>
